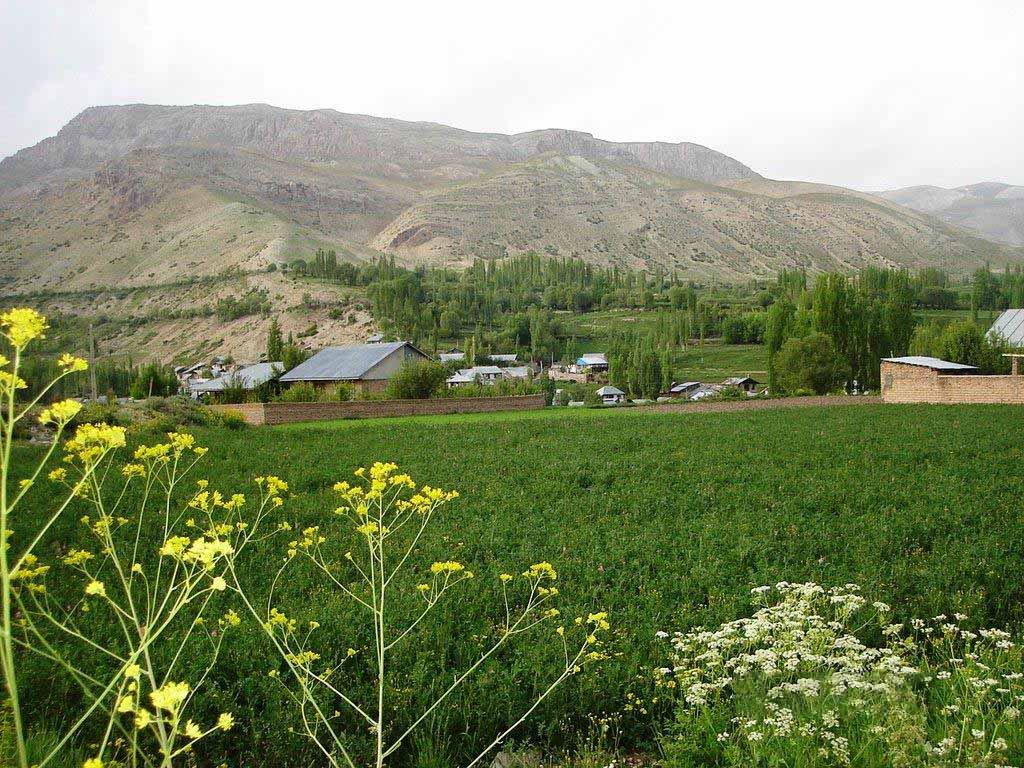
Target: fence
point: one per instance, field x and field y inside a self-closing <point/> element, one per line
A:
<point x="289" y="413"/>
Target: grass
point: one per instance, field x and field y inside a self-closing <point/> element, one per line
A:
<point x="664" y="520"/>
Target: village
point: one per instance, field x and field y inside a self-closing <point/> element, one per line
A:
<point x="368" y="368"/>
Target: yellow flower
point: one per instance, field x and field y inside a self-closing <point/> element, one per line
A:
<point x="218" y="584"/>
<point x="169" y="696"/>
<point x="133" y="470"/>
<point x="450" y="566"/>
<point x="93" y="762"/>
<point x="126" y="704"/>
<point x="60" y="413"/>
<point x="541" y="571"/>
<point x="143" y="718"/>
<point x="77" y="557"/>
<point x="91" y="441"/>
<point x="22" y="325"/>
<point x="58" y="475"/>
<point x="174" y="546"/>
<point x="226" y="721"/>
<point x="505" y="578"/>
<point x="95" y="588"/>
<point x="72" y="364"/>
<point x="132" y="671"/>
<point x="192" y="730"/>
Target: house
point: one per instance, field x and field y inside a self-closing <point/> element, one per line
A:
<point x="505" y="359"/>
<point x="1009" y="327"/>
<point x="705" y="390"/>
<point x="593" y="362"/>
<point x="248" y="377"/>
<point x="367" y="366"/>
<point x="611" y="395"/>
<point x="478" y="374"/>
<point x="745" y="383"/>
<point x="517" y="372"/>
<point x="189" y="373"/>
<point x="682" y="388"/>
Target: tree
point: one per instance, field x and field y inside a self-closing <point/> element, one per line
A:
<point x="275" y="342"/>
<point x="778" y="328"/>
<point x="810" y="364"/>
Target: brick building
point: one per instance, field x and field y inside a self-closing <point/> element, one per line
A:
<point x="931" y="380"/>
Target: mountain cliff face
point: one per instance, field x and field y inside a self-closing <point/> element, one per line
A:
<point x="388" y="147"/>
<point x="992" y="209"/>
<point x="142" y="195"/>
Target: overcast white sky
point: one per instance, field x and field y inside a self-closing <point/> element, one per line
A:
<point x="868" y="95"/>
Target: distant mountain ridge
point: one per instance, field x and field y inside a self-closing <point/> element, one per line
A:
<point x="993" y="209"/>
<point x="100" y="134"/>
<point x="143" y="195"/>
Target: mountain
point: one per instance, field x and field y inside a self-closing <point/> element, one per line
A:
<point x="993" y="209"/>
<point x="152" y="214"/>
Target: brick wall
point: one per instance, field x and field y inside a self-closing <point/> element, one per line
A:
<point x="903" y="383"/>
<point x="288" y="413"/>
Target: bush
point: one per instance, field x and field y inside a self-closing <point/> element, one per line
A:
<point x="810" y="363"/>
<point x="299" y="392"/>
<point x="416" y="380"/>
<point x="233" y="420"/>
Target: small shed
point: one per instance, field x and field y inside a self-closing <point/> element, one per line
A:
<point x="611" y="395"/>
<point x="746" y="383"/>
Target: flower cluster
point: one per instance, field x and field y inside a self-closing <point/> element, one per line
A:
<point x="799" y="678"/>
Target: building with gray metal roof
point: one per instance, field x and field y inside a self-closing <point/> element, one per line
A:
<point x="249" y="377"/>
<point x="1009" y="327"/>
<point x="931" y="362"/>
<point x="368" y="365"/>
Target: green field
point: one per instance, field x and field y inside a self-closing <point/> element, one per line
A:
<point x="665" y="521"/>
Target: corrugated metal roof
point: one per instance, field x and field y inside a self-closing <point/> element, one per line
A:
<point x="930" y="362"/>
<point x="249" y="377"/>
<point x="608" y="389"/>
<point x="503" y="358"/>
<point x="344" y="363"/>
<point x="593" y="358"/>
<point x="451" y="357"/>
<point x="518" y="371"/>
<point x="1009" y="326"/>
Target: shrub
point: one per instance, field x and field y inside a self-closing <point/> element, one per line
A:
<point x="233" y="420"/>
<point x="416" y="380"/>
<point x="299" y="392"/>
<point x="810" y="363"/>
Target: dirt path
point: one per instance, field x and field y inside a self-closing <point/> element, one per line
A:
<point x="762" y="404"/>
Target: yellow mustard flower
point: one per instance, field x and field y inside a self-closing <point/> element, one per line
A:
<point x="22" y="325"/>
<point x="72" y="364"/>
<point x="226" y="721"/>
<point x="169" y="697"/>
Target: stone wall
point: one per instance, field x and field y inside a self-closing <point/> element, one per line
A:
<point x="903" y="383"/>
<point x="289" y="413"/>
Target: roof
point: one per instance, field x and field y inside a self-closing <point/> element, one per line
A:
<point x="250" y="377"/>
<point x="1009" y="326"/>
<point x="683" y="386"/>
<point x="518" y="371"/>
<point x="481" y="370"/>
<point x="451" y="357"/>
<point x="735" y="381"/>
<point x="460" y="378"/>
<point x="593" y="358"/>
<point x="929" y="362"/>
<point x="344" y="363"/>
<point x="608" y="389"/>
<point x="504" y="358"/>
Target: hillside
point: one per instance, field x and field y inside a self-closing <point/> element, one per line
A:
<point x="133" y="197"/>
<point x="993" y="209"/>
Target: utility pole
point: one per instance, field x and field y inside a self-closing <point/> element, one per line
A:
<point x="92" y="362"/>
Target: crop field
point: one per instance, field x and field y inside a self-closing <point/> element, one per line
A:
<point x="665" y="521"/>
